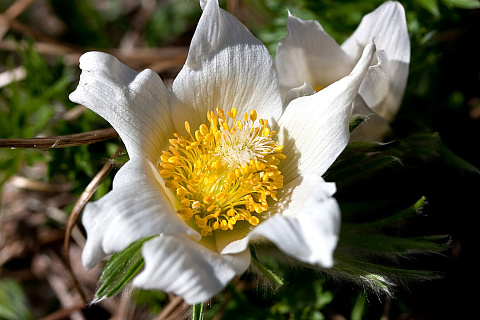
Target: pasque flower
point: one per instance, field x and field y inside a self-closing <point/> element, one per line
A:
<point x="309" y="54"/>
<point x="217" y="163"/>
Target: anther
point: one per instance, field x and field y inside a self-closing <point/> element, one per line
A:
<point x="223" y="174"/>
<point x="253" y="115"/>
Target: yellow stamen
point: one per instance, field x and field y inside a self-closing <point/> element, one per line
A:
<point x="225" y="173"/>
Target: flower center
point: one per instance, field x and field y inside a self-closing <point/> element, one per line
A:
<point x="223" y="174"/>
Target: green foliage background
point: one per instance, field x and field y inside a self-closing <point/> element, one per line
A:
<point x="432" y="156"/>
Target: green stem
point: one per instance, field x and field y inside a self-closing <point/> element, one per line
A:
<point x="197" y="311"/>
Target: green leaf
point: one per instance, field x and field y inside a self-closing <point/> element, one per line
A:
<point x="120" y="270"/>
<point x="463" y="4"/>
<point x="359" y="307"/>
<point x="429" y="147"/>
<point x="171" y="20"/>
<point x="378" y="277"/>
<point x="323" y="297"/>
<point x="355" y="121"/>
<point x="262" y="268"/>
<point x="370" y="245"/>
<point x="83" y="22"/>
<point x="360" y="166"/>
<point x="431" y="6"/>
<point x="386" y="222"/>
<point x="13" y="303"/>
<point x="451" y="158"/>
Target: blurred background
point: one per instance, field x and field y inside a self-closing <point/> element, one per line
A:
<point x="433" y="154"/>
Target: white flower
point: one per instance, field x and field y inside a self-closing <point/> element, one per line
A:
<point x="206" y="185"/>
<point x="309" y="54"/>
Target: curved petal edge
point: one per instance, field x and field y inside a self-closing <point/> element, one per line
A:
<point x="186" y="268"/>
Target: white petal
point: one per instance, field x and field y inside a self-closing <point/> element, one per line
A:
<point x="234" y="241"/>
<point x="376" y="84"/>
<point x="309" y="54"/>
<point x="306" y="225"/>
<point x="373" y="128"/>
<point x="136" y="207"/>
<point x="226" y="67"/>
<point x="302" y="91"/>
<point x="184" y="267"/>
<point x="387" y="24"/>
<point x="135" y="104"/>
<point x="386" y="103"/>
<point x="314" y="129"/>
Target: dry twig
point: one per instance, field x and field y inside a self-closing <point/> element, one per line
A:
<point x="11" y="13"/>
<point x="175" y="302"/>
<point x="64" y="313"/>
<point x="16" y="74"/>
<point x="71" y="140"/>
<point x="77" y="208"/>
<point x="49" y="266"/>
